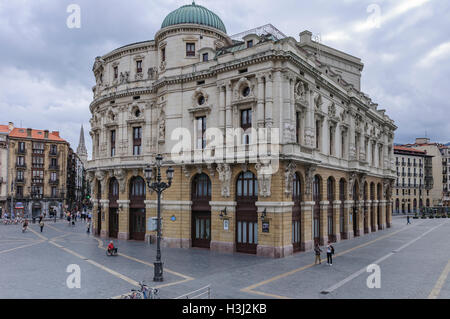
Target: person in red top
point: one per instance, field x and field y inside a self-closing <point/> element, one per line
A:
<point x="111" y="248"/>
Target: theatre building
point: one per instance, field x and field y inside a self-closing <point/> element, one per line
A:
<point x="330" y="170"/>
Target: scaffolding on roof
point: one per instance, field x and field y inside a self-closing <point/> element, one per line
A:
<point x="263" y="30"/>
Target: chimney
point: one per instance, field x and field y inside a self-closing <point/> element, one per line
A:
<point x="422" y="140"/>
<point x="56" y="133"/>
<point x="305" y="36"/>
<point x="10" y="126"/>
<point x="46" y="134"/>
<point x="29" y="130"/>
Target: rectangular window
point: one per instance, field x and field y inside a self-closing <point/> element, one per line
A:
<point x="116" y="72"/>
<point x="200" y="132"/>
<point x="190" y="49"/>
<point x="20" y="160"/>
<point x="205" y="57"/>
<point x="331" y="141"/>
<point x="163" y="54"/>
<point x="318" y="135"/>
<point x="139" y="66"/>
<point x="21" y="147"/>
<point x="19" y="191"/>
<point x="137" y="140"/>
<point x="246" y="123"/>
<point x="113" y="143"/>
<point x="249" y="43"/>
<point x="297" y="127"/>
<point x="54" y="194"/>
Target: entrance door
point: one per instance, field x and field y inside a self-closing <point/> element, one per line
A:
<point x="201" y="226"/>
<point x="113" y="208"/>
<point x="342" y="190"/>
<point x="113" y="222"/>
<point x="137" y="223"/>
<point x="246" y="214"/>
<point x="137" y="209"/>
<point x="355" y="210"/>
<point x="201" y="211"/>
<point x="296" y="213"/>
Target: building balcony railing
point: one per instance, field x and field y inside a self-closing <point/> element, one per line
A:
<point x="22" y="166"/>
<point x="53" y="153"/>
<point x="36" y="165"/>
<point x="21" y="151"/>
<point x="53" y="167"/>
<point x="20" y="180"/>
<point x="37" y="196"/>
<point x="53" y="181"/>
<point x="37" y="180"/>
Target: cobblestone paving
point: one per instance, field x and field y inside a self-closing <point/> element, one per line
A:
<point x="413" y="264"/>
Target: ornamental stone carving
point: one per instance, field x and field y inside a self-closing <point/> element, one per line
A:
<point x="162" y="127"/>
<point x="120" y="175"/>
<point x="309" y="178"/>
<point x="288" y="177"/>
<point x="238" y="88"/>
<point x="224" y="171"/>
<point x="300" y="92"/>
<point x="332" y="111"/>
<point x="124" y="77"/>
<point x="318" y="101"/>
<point x="101" y="176"/>
<point x="198" y="93"/>
<point x="264" y="178"/>
<point x="152" y="73"/>
<point x="351" y="183"/>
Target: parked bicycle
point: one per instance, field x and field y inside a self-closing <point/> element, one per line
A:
<point x="144" y="292"/>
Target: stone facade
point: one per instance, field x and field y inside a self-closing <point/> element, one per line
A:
<point x="156" y="97"/>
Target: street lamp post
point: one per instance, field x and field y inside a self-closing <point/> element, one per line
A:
<point x="158" y="186"/>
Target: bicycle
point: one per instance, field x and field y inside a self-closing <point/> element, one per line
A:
<point x="144" y="292"/>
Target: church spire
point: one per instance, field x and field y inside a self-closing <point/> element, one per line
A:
<point x="81" y="150"/>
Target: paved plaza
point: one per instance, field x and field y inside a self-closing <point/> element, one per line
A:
<point x="414" y="262"/>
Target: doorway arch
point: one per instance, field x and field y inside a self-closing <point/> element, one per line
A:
<point x="355" y="215"/>
<point x="317" y="197"/>
<point x="201" y="211"/>
<point x="342" y="198"/>
<point x="330" y="211"/>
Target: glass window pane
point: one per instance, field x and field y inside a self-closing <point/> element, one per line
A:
<point x="255" y="225"/>
<point x="197" y="228"/>
<point x="208" y="228"/>
<point x="250" y="233"/>
<point x="202" y="228"/>
<point x="244" y="232"/>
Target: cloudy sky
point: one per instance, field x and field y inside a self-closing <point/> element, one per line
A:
<point x="46" y="67"/>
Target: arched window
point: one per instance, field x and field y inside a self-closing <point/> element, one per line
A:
<point x="137" y="187"/>
<point x="296" y="189"/>
<point x="316" y="198"/>
<point x="296" y="212"/>
<point x="330" y="197"/>
<point x="201" y="187"/>
<point x="247" y="185"/>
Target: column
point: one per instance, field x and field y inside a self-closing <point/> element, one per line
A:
<point x="223" y="239"/>
<point x="360" y="218"/>
<point x="94" y="221"/>
<point x="389" y="213"/>
<point x="285" y="110"/>
<point x="307" y="241"/>
<point x="348" y="219"/>
<point x="260" y="101"/>
<point x="323" y="231"/>
<point x="222" y="108"/>
<point x="124" y="219"/>
<point x="383" y="214"/>
<point x="352" y="149"/>
<point x="105" y="218"/>
<point x="369" y="216"/>
<point x="375" y="215"/>
<point x="336" y="220"/>
<point x="269" y="98"/>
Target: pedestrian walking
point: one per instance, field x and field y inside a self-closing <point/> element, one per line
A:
<point x="25" y="226"/>
<point x="41" y="224"/>
<point x="330" y="253"/>
<point x="407" y="220"/>
<point x="88" y="226"/>
<point x="317" y="251"/>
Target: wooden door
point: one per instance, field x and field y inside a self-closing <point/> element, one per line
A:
<point x="246" y="213"/>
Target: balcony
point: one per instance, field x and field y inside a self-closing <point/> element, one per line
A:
<point x="53" y="167"/>
<point x="37" y="165"/>
<point x="21" y="151"/>
<point x="53" y="153"/>
<point x="20" y="180"/>
<point x="21" y="165"/>
<point x="37" y="180"/>
<point x="53" y="181"/>
<point x="37" y="196"/>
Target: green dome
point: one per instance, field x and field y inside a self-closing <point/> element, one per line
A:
<point x="195" y="14"/>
